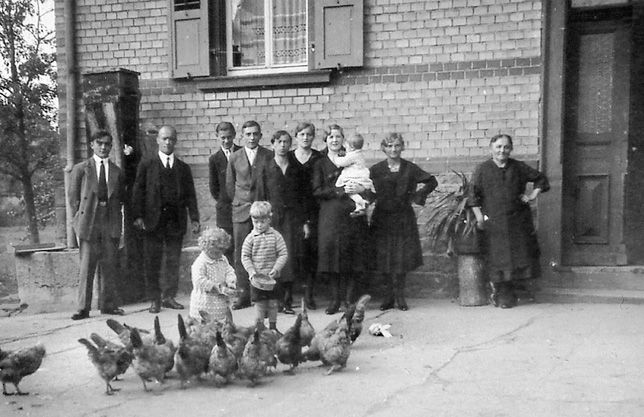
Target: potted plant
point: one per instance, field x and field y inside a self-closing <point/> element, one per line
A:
<point x="451" y="220"/>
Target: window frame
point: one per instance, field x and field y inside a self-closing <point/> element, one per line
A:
<point x="268" y="67"/>
<point x="324" y="55"/>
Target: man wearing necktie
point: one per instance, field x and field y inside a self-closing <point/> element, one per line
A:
<point x="95" y="196"/>
<point x="162" y="198"/>
<point x="217" y="164"/>
<point x="244" y="185"/>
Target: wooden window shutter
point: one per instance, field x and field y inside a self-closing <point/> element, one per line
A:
<point x="338" y="33"/>
<point x="189" y="38"/>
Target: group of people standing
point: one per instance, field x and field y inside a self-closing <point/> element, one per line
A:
<point x="318" y="212"/>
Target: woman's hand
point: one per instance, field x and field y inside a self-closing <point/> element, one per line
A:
<point x="354" y="188"/>
<point x="307" y="230"/>
<point x="480" y="218"/>
<point x="526" y="198"/>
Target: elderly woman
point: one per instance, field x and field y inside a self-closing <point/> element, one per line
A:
<point x="213" y="279"/>
<point x="342" y="239"/>
<point x="500" y="203"/>
<point x="304" y="157"/>
<point x="393" y="224"/>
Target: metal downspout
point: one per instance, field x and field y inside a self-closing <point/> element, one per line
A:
<point x="70" y="103"/>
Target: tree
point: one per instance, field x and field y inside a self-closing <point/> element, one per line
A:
<point x="28" y="139"/>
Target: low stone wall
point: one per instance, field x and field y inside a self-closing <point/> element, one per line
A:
<point x="48" y="281"/>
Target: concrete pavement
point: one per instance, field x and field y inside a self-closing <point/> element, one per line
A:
<point x="444" y="360"/>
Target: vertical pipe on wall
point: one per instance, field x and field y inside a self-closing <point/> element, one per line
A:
<point x="70" y="102"/>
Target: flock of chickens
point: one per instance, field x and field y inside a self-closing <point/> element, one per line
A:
<point x="217" y="350"/>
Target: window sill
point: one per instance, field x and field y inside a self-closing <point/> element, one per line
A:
<point x="262" y="81"/>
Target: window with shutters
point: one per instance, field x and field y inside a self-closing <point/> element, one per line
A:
<point x="215" y="39"/>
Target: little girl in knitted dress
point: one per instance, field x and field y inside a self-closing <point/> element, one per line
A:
<point x="213" y="279"/>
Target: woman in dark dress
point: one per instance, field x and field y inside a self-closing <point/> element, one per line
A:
<point x="500" y="202"/>
<point x="393" y="224"/>
<point x="304" y="157"/>
<point x="284" y="181"/>
<point x="342" y="239"/>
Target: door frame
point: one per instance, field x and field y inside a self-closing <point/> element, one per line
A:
<point x="555" y="14"/>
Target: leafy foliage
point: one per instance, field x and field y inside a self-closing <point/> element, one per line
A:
<point x="450" y="218"/>
<point x="28" y="139"/>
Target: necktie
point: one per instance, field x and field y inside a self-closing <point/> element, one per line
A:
<point x="102" y="184"/>
<point x="167" y="164"/>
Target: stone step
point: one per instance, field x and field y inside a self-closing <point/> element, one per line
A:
<point x="590" y="296"/>
<point x="624" y="278"/>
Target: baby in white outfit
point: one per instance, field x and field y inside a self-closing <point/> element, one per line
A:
<point x="355" y="171"/>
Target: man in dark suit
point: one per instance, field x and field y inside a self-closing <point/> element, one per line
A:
<point x="162" y="198"/>
<point x="95" y="196"/>
<point x="244" y="185"/>
<point x="217" y="164"/>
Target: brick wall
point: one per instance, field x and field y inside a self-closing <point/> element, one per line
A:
<point x="447" y="74"/>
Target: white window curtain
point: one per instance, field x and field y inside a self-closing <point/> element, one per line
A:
<point x="289" y="31"/>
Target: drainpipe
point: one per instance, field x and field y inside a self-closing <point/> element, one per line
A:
<point x="70" y="102"/>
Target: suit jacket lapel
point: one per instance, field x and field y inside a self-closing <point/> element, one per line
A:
<point x="90" y="172"/>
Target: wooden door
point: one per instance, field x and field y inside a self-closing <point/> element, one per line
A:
<point x="595" y="139"/>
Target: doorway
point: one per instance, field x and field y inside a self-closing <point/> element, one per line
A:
<point x="599" y="224"/>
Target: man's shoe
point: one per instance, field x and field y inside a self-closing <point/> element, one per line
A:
<point x="172" y="303"/>
<point x="288" y="310"/>
<point x="332" y="308"/>
<point x="310" y="304"/>
<point x="80" y="315"/>
<point x="155" y="307"/>
<point x="115" y="311"/>
<point x="241" y="304"/>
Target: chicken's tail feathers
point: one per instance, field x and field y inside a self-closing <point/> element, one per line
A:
<point x="100" y="342"/>
<point x="90" y="346"/>
<point x="220" y="339"/>
<point x="360" y="308"/>
<point x="351" y="310"/>
<point x="305" y="312"/>
<point x="135" y="338"/>
<point x="205" y="317"/>
<point x="158" y="336"/>
<point x="362" y="302"/>
<point x="40" y="348"/>
<point x="116" y="327"/>
<point x="183" y="333"/>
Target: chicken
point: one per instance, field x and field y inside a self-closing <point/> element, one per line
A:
<point x="123" y="332"/>
<point x="355" y="324"/>
<point x="222" y="361"/>
<point x="204" y="330"/>
<point x="268" y="344"/>
<point x="313" y="352"/>
<point x="109" y="359"/>
<point x="289" y="348"/>
<point x="230" y="326"/>
<point x="335" y="349"/>
<point x="15" y="365"/>
<point x="306" y="329"/>
<point x="192" y="355"/>
<point x="251" y="365"/>
<point x="152" y="358"/>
